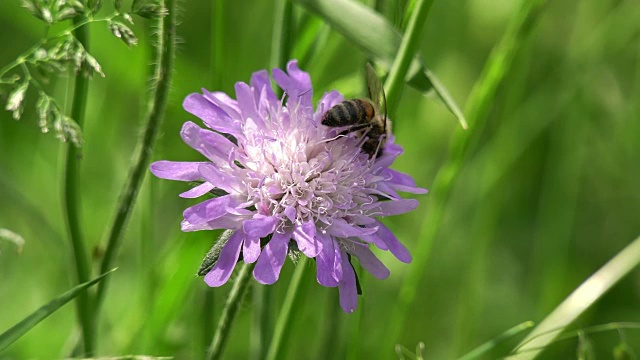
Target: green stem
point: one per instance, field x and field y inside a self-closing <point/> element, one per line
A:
<point x="229" y="313"/>
<point x="478" y="106"/>
<point x="579" y="301"/>
<point x="406" y="52"/>
<point x="72" y="206"/>
<point x="140" y="161"/>
<point x="283" y="323"/>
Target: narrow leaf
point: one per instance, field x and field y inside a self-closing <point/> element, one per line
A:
<point x="21" y="328"/>
<point x="355" y="21"/>
<point x="486" y="347"/>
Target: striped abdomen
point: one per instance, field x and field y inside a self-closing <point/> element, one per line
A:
<point x="349" y="112"/>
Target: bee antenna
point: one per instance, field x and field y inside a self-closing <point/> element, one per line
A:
<point x="305" y="92"/>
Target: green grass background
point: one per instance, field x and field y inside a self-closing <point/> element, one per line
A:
<point x="548" y="193"/>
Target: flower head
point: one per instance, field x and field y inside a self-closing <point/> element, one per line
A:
<point x="287" y="183"/>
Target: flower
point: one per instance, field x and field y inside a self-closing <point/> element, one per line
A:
<point x="288" y="183"/>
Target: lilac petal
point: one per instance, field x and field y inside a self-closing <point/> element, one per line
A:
<point x="224" y="102"/>
<point x="254" y="230"/>
<point x="220" y="179"/>
<point x="211" y="114"/>
<point x="192" y="135"/>
<point x="197" y="191"/>
<point x="296" y="84"/>
<point x="260" y="82"/>
<point x="341" y="228"/>
<point x="403" y="182"/>
<point x="176" y="170"/>
<point x="208" y="210"/>
<point x="271" y="259"/>
<point x="392" y="207"/>
<point x="369" y="261"/>
<point x="226" y="262"/>
<point x="397" y="249"/>
<point x="305" y="236"/>
<point x="247" y="103"/>
<point x="329" y="262"/>
<point x="228" y="221"/>
<point x="347" y="287"/>
<point x="389" y="155"/>
<point x="327" y="101"/>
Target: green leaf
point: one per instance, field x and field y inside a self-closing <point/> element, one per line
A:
<point x="21" y="328"/>
<point x="355" y="21"/>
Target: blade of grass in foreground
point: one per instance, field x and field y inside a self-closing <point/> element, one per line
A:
<point x="578" y="302"/>
<point x="478" y="105"/>
<point x="32" y="320"/>
<point x="486" y="347"/>
<point x="355" y="21"/>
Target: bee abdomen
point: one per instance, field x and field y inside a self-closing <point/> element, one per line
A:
<point x="348" y="112"/>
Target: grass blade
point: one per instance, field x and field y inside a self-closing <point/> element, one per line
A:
<point x="406" y="52"/>
<point x="355" y="21"/>
<point x="579" y="301"/>
<point x="21" y="328"/>
<point x="486" y="347"/>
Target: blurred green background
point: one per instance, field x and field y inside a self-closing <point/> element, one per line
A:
<point x="548" y="193"/>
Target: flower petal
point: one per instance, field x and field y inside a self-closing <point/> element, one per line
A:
<point x="197" y="191"/>
<point x="392" y="207"/>
<point x="254" y="229"/>
<point x="211" y="114"/>
<point x="329" y="262"/>
<point x="223" y="268"/>
<point x="247" y="104"/>
<point x="341" y="228"/>
<point x="385" y="235"/>
<point x="403" y="182"/>
<point x="271" y="259"/>
<point x="347" y="286"/>
<point x="260" y="82"/>
<point x="208" y="210"/>
<point x="192" y="135"/>
<point x="305" y="236"/>
<point x="221" y="179"/>
<point x="176" y="170"/>
<point x="296" y="84"/>
<point x="369" y="261"/>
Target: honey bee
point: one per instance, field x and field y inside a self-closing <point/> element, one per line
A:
<point x="364" y="116"/>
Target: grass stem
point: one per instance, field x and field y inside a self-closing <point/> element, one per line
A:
<point x="229" y="313"/>
<point x="139" y="163"/>
<point x="72" y="204"/>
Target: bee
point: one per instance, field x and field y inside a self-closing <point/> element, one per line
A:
<point x="364" y="116"/>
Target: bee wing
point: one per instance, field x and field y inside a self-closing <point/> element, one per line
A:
<point x="375" y="90"/>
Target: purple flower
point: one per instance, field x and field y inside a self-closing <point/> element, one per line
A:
<point x="288" y="179"/>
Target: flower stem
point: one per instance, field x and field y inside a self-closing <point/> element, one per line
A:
<point x="478" y="106"/>
<point x="406" y="52"/>
<point x="579" y="301"/>
<point x="283" y="323"/>
<point x="140" y="161"/>
<point x="229" y="313"/>
<point x="72" y="205"/>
